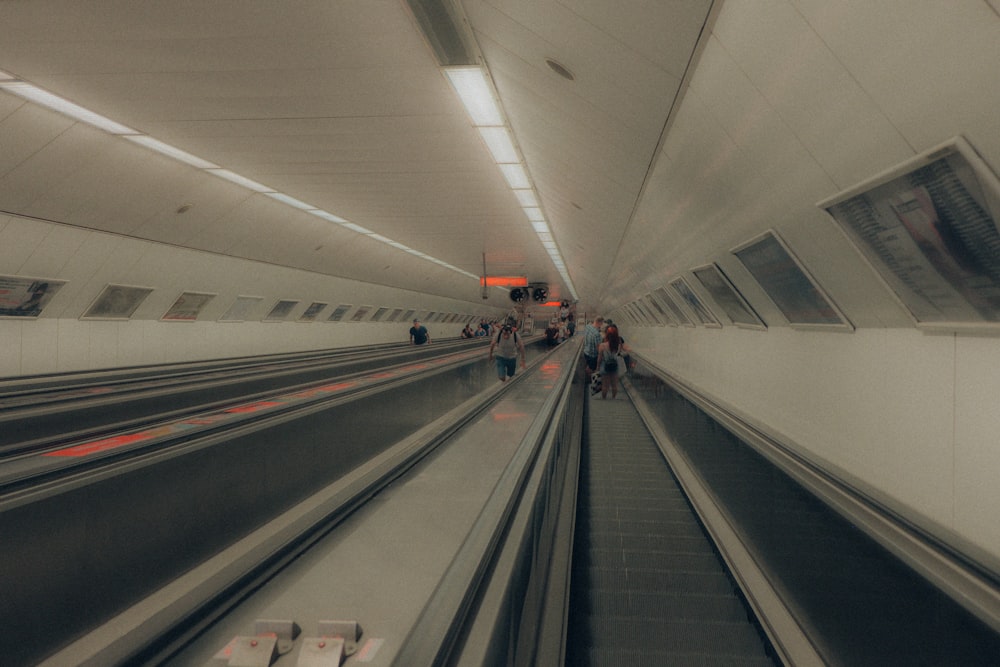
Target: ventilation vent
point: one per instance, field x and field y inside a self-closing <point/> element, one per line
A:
<point x="437" y="21"/>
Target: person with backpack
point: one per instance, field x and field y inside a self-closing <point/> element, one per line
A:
<point x="507" y="345"/>
<point x="610" y="360"/>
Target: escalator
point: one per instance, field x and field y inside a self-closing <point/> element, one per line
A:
<point x="648" y="587"/>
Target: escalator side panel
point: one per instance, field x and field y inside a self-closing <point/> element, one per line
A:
<point x="861" y="605"/>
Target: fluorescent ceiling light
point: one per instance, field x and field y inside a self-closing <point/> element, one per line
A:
<point x="291" y="201"/>
<point x="170" y="151"/>
<point x="473" y="86"/>
<point x="476" y="94"/>
<point x="358" y="228"/>
<point x="328" y="216"/>
<point x="56" y="103"/>
<point x="470" y="83"/>
<point x="526" y="197"/>
<point x="501" y="147"/>
<point x="233" y="177"/>
<point x="534" y="214"/>
<point x="516" y="176"/>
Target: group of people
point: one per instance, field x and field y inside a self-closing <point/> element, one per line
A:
<point x="559" y="330"/>
<point x="484" y="329"/>
<point x="605" y="352"/>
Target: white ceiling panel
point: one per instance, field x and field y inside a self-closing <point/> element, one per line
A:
<point x="344" y="106"/>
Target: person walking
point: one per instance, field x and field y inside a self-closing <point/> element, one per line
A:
<point x="508" y="344"/>
<point x="591" y="340"/>
<point x="610" y="360"/>
<point x="419" y="334"/>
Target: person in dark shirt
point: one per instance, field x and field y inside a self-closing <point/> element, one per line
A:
<point x="552" y="334"/>
<point x="419" y="334"/>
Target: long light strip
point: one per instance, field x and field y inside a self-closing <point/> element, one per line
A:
<point x="56" y="103"/>
<point x="33" y="93"/>
<point x="170" y="151"/>
<point x="474" y="89"/>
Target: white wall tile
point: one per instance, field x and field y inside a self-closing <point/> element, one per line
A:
<point x="12" y="348"/>
<point x="73" y="345"/>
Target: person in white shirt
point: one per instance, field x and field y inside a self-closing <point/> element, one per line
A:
<point x="507" y="344"/>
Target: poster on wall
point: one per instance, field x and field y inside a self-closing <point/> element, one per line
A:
<point x="312" y="312"/>
<point x="788" y="285"/>
<point x="117" y="302"/>
<point x="929" y="228"/>
<point x="26" y="297"/>
<point x="339" y="312"/>
<point x="693" y="301"/>
<point x="646" y="313"/>
<point x="659" y="310"/>
<point x="281" y="310"/>
<point x="187" y="307"/>
<point x="727" y="297"/>
<point x="678" y="313"/>
<point x="241" y="309"/>
<point x="630" y="312"/>
<point x="361" y="313"/>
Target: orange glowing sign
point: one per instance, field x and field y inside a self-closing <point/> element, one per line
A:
<point x="503" y="281"/>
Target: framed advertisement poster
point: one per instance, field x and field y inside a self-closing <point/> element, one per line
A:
<point x="659" y="312"/>
<point x="668" y="302"/>
<point x="312" y="312"/>
<point x="281" y="310"/>
<point x="187" y="306"/>
<point x="117" y="302"/>
<point x="693" y="301"/>
<point x="26" y="297"/>
<point x="338" y="313"/>
<point x="241" y="308"/>
<point x="652" y="317"/>
<point x="361" y="313"/>
<point x="788" y="284"/>
<point x="929" y="229"/>
<point x="642" y="318"/>
<point x="727" y="297"/>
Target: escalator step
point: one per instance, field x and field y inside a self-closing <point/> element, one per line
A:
<point x="614" y="658"/>
<point x="677" y="636"/>
<point x="675" y="606"/>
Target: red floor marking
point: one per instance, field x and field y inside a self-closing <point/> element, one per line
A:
<point x="101" y="445"/>
<point x="504" y="416"/>
<point x="337" y="387"/>
<point x="254" y="407"/>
